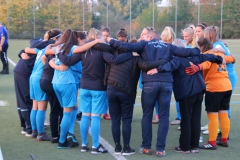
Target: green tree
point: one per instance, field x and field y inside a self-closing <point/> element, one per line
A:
<point x="3" y="11"/>
<point x="166" y="16"/>
<point x="231" y="19"/>
<point x="123" y="7"/>
<point x="20" y="18"/>
<point x="184" y="15"/>
<point x="118" y="13"/>
<point x="71" y="15"/>
<point x="210" y="12"/>
<point x="145" y="20"/>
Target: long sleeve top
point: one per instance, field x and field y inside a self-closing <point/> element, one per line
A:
<point x="154" y="50"/>
<point x="216" y="81"/>
<point x="185" y="85"/>
<point x="93" y="63"/>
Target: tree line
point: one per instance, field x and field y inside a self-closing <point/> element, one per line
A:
<point x="25" y="18"/>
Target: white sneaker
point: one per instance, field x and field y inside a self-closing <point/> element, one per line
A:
<point x="206" y="132"/>
<point x="175" y="122"/>
<point x="46" y="123"/>
<point x="23" y="130"/>
<point x="204" y="127"/>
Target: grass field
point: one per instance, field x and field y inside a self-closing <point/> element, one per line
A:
<point x="15" y="146"/>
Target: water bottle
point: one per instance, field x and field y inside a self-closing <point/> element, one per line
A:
<point x="201" y="139"/>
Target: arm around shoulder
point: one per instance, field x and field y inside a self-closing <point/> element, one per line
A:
<point x="30" y="50"/>
<point x="86" y="46"/>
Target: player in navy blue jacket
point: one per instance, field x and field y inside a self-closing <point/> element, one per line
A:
<point x="156" y="87"/>
<point x="188" y="90"/>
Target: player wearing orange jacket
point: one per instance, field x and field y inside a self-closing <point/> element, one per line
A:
<point x="217" y="96"/>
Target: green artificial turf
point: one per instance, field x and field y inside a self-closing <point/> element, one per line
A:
<point x="16" y="146"/>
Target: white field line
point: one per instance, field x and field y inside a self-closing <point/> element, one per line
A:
<point x="2" y="102"/>
<point x="173" y="96"/>
<point x="1" y="156"/>
<point x="14" y="64"/>
<point x="102" y="140"/>
<point x="108" y="146"/>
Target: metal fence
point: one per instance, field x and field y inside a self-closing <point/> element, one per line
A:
<point x="32" y="27"/>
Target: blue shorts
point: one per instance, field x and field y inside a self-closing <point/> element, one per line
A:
<point x="78" y="85"/>
<point x="66" y="94"/>
<point x="36" y="92"/>
<point x="92" y="101"/>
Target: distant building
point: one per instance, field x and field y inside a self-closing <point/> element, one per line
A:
<point x="167" y="3"/>
<point x="163" y="4"/>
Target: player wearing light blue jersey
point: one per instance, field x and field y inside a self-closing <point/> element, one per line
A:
<point x="66" y="79"/>
<point x="22" y="72"/>
<point x="38" y="96"/>
<point x="66" y="84"/>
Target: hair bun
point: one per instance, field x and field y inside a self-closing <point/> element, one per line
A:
<point x="49" y="33"/>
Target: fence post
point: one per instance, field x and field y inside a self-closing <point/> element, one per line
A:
<point x="221" y="19"/>
<point x="34" y="34"/>
<point x="176" y="8"/>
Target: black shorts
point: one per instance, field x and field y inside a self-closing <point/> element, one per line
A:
<point x="216" y="101"/>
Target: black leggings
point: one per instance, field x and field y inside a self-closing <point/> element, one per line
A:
<point x="4" y="55"/>
<point x="56" y="112"/>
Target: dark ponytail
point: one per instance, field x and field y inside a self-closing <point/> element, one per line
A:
<point x="122" y="33"/>
<point x="71" y="42"/>
<point x="54" y="33"/>
<point x="81" y="35"/>
<point x="203" y="25"/>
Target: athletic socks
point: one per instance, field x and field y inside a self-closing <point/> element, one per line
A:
<point x="213" y="127"/>
<point x="95" y="130"/>
<point x="40" y="117"/>
<point x="33" y="119"/>
<point x="213" y="143"/>
<point x="65" y="126"/>
<point x="224" y="125"/>
<point x="73" y="120"/>
<point x="84" y="124"/>
<point x="178" y="111"/>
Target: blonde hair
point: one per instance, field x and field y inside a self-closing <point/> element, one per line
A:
<point x="211" y="33"/>
<point x="191" y="29"/>
<point x="94" y="34"/>
<point x="149" y="29"/>
<point x="169" y="34"/>
<point x="179" y="43"/>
